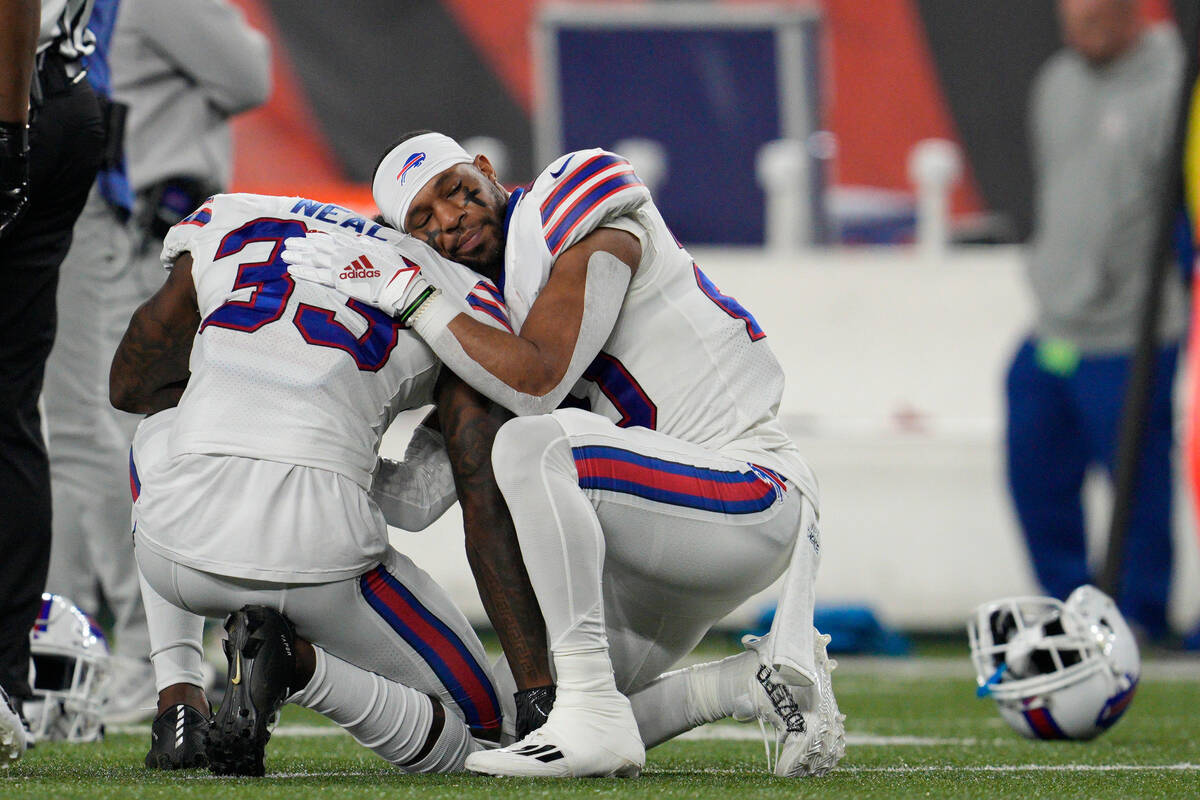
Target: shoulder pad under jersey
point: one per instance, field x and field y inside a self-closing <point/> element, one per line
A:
<point x="222" y="212"/>
<point x="581" y="191"/>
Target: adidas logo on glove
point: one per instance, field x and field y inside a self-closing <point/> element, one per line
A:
<point x="359" y="268"/>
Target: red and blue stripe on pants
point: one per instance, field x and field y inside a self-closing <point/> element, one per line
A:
<point x="722" y="491"/>
<point x="438" y="645"/>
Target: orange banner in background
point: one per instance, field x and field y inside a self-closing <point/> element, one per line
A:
<point x="279" y="148"/>
<point x="881" y="78"/>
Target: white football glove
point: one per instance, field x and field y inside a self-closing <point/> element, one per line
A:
<point x="363" y="268"/>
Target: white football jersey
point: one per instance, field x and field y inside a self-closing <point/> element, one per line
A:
<point x="292" y="371"/>
<point x="683" y="358"/>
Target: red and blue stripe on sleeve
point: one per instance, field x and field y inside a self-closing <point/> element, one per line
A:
<point x="135" y="483"/>
<point x="201" y="216"/>
<point x="487" y="298"/>
<point x="584" y="190"/>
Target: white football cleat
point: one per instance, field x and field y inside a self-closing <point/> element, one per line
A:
<point x="12" y="732"/>
<point x="587" y="735"/>
<point x="810" y="737"/>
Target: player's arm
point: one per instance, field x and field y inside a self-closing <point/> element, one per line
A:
<point x="150" y="369"/>
<point x="566" y="326"/>
<point x="527" y="373"/>
<point x="531" y="372"/>
<point x="18" y="38"/>
<point x="469" y="423"/>
<point x="413" y="493"/>
<point x="18" y="41"/>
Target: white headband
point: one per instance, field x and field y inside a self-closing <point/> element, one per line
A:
<point x="407" y="168"/>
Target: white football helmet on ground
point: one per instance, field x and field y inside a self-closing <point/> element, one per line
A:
<point x="1056" y="670"/>
<point x="67" y="673"/>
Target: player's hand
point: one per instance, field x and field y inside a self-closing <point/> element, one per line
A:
<point x="363" y="268"/>
<point x="14" y="172"/>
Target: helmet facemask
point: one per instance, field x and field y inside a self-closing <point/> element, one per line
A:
<point x="68" y="672"/>
<point x="1056" y="670"/>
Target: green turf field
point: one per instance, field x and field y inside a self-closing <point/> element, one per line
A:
<point x="914" y="729"/>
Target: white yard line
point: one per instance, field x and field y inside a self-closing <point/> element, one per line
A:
<point x="1011" y="768"/>
<point x="706" y="732"/>
<point x="904" y="770"/>
<point x="719" y="732"/>
<point x="1031" y="768"/>
<point x="751" y="733"/>
<point x="282" y="730"/>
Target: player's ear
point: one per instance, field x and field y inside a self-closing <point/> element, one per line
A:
<point x="483" y="165"/>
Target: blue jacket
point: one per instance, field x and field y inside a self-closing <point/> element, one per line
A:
<point x="112" y="180"/>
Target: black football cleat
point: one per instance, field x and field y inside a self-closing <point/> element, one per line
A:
<point x="177" y="739"/>
<point x="262" y="671"/>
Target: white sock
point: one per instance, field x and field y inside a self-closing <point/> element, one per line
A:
<point x="683" y="699"/>
<point x="589" y="671"/>
<point x="176" y="640"/>
<point x="389" y="718"/>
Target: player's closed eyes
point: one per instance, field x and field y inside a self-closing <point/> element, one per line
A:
<point x="423" y="219"/>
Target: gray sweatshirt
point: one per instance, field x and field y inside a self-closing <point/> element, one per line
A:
<point x="1101" y="138"/>
<point x="185" y="67"/>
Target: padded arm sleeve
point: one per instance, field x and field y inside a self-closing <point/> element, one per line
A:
<point x="416" y="491"/>
<point x="604" y="293"/>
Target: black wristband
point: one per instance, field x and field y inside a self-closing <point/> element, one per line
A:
<point x="14" y="172"/>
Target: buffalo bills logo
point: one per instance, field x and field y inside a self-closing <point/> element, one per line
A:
<point x="415" y="160"/>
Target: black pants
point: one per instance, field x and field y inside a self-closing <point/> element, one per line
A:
<point x="66" y="141"/>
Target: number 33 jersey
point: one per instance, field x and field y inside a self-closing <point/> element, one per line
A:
<point x="287" y="370"/>
<point x="683" y="358"/>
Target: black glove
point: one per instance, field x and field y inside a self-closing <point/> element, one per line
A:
<point x="533" y="706"/>
<point x="14" y="172"/>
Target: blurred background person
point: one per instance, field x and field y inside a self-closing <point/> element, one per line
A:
<point x="75" y="376"/>
<point x="182" y="69"/>
<point x="1102" y="120"/>
<point x="52" y="162"/>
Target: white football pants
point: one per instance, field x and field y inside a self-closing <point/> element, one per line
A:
<point x="393" y="620"/>
<point x="639" y="542"/>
